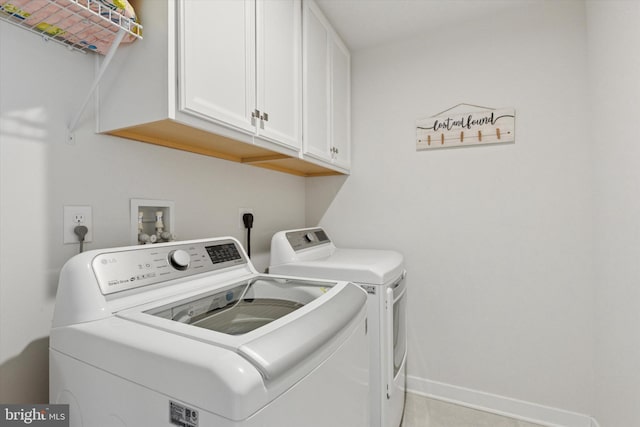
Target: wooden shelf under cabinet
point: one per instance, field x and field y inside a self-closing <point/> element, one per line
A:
<point x="169" y="133"/>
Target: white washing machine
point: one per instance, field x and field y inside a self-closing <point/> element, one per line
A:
<point x="190" y="334"/>
<point x="310" y="253"/>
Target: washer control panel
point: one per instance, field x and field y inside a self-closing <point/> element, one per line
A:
<point x="303" y="239"/>
<point x="148" y="265"/>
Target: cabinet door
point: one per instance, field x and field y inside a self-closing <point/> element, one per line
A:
<point x="279" y="71"/>
<point x="341" y="104"/>
<point x="316" y="89"/>
<point x="216" y="70"/>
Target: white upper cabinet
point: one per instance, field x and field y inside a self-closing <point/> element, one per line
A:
<point x="217" y="66"/>
<point x="279" y="71"/>
<point x="240" y="65"/>
<point x="224" y="78"/>
<point x="326" y="91"/>
<point x="340" y="104"/>
<point x="316" y="83"/>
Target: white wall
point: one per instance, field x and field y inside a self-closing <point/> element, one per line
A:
<point x="614" y="63"/>
<point x="41" y="87"/>
<point x="497" y="239"/>
<point x="517" y="287"/>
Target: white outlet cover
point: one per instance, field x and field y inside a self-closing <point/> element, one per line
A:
<point x="70" y="221"/>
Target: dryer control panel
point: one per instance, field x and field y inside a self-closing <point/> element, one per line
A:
<point x="304" y="239"/>
<point x="147" y="265"/>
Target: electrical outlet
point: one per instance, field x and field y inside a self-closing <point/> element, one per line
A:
<point x="243" y="211"/>
<point x="74" y="216"/>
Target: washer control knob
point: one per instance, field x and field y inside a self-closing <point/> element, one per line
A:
<point x="179" y="259"/>
<point x="310" y="237"/>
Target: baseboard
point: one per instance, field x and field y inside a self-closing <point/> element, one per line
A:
<point x="501" y="405"/>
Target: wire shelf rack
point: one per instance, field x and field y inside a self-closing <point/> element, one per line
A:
<point x="82" y="25"/>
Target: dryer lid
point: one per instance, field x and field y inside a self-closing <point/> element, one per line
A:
<point x="371" y="266"/>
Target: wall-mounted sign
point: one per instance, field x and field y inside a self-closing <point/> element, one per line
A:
<point x="479" y="127"/>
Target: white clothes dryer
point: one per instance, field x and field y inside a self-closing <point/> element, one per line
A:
<point x="311" y="253"/>
<point x="190" y="334"/>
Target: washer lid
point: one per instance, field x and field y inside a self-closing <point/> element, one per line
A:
<point x="275" y="323"/>
<point x="370" y="266"/>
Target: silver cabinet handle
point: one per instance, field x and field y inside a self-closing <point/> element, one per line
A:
<point x="263" y="117"/>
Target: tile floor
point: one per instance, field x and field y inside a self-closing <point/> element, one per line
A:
<point x="422" y="411"/>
